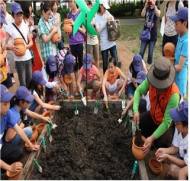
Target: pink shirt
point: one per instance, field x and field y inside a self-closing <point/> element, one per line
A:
<point x="91" y="73"/>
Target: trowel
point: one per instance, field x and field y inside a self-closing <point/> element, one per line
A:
<point x="53" y="125"/>
<point x="83" y="98"/>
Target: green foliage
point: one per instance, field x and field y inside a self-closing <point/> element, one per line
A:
<point x="123" y="9"/>
<point x="63" y="10"/>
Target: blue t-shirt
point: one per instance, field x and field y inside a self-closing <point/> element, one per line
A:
<point x="182" y="50"/>
<point x="15" y="111"/>
<point x="7" y="121"/>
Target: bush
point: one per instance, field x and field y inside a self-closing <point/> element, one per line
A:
<point x="123" y="9"/>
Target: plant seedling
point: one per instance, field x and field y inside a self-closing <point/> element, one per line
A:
<point x="96" y="107"/>
<point x="76" y="112"/>
<point x="123" y="102"/>
<point x="43" y="142"/>
<point x="37" y="165"/>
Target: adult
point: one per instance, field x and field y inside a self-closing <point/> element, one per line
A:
<point x="151" y="14"/>
<point x="10" y="55"/>
<point x="37" y="62"/>
<point x="169" y="8"/>
<point x="19" y="29"/>
<point x="76" y="41"/>
<point x="93" y="43"/>
<point x="46" y="30"/>
<point x="56" y="17"/>
<point x="106" y="46"/>
<point x="164" y="95"/>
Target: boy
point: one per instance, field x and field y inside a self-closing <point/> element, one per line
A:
<point x="93" y="76"/>
<point x="181" y="51"/>
<point x="10" y="153"/>
<point x="178" y="164"/>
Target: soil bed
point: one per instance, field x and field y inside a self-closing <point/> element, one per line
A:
<point x="87" y="146"/>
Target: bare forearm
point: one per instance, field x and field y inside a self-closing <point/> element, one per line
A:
<point x="157" y="11"/>
<point x="4" y="165"/>
<point x="177" y="161"/>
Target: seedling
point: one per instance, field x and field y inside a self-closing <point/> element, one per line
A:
<point x="96" y="107"/>
<point x="37" y="165"/>
<point x="76" y="110"/>
<point x="123" y="102"/>
<point x="43" y="142"/>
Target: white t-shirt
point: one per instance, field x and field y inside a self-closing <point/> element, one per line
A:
<point x="169" y="29"/>
<point x="182" y="144"/>
<point x="101" y="26"/>
<point x="13" y="32"/>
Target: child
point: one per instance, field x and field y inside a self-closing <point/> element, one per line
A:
<point x="177" y="154"/>
<point x="136" y="66"/>
<point x="181" y="51"/>
<point x="68" y="77"/>
<point x="20" y="106"/>
<point x="114" y="81"/>
<point x="10" y="154"/>
<point x="37" y="88"/>
<point x="144" y="102"/>
<point x="93" y="78"/>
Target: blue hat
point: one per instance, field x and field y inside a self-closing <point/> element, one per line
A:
<point x="69" y="63"/>
<point x="38" y="78"/>
<point x="180" y="114"/>
<point x="2" y="17"/>
<point x="141" y="76"/>
<point x="137" y="63"/>
<point x="182" y="14"/>
<point x="52" y="63"/>
<point x="16" y="8"/>
<point x="87" y="61"/>
<point x="6" y="96"/>
<point x="23" y="93"/>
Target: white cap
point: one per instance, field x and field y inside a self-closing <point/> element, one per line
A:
<point x="105" y="4"/>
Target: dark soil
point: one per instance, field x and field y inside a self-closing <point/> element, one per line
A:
<point x="87" y="146"/>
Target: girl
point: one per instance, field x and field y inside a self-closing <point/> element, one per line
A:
<point x="37" y="89"/>
<point x="181" y="51"/>
<point x="136" y="66"/>
<point x="93" y="78"/>
<point x="114" y="81"/>
<point x="68" y="78"/>
<point x="20" y="106"/>
<point x="46" y="30"/>
<point x="19" y="29"/>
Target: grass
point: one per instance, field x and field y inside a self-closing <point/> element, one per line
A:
<point x="130" y="35"/>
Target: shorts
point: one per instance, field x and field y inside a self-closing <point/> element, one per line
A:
<point x="90" y="85"/>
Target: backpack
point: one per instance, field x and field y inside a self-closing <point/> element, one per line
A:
<point x="113" y="28"/>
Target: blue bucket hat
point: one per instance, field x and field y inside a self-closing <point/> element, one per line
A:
<point x="69" y="63"/>
<point x="2" y="17"/>
<point x="52" y="63"/>
<point x="182" y="14"/>
<point x="16" y="8"/>
<point x="137" y="63"/>
<point x="5" y="95"/>
<point x="23" y="93"/>
<point x="141" y="76"/>
<point x="180" y="114"/>
<point x="87" y="61"/>
<point x="38" y="78"/>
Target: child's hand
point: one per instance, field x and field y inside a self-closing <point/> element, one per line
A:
<point x="16" y="166"/>
<point x="162" y="157"/>
<point x="159" y="152"/>
<point x="34" y="147"/>
<point x="57" y="107"/>
<point x="47" y="119"/>
<point x="136" y="118"/>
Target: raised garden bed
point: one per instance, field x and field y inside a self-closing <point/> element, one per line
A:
<point x="88" y="146"/>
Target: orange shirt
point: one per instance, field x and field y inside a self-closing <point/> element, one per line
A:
<point x="113" y="76"/>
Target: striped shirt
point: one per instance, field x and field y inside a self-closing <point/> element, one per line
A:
<point x="47" y="48"/>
